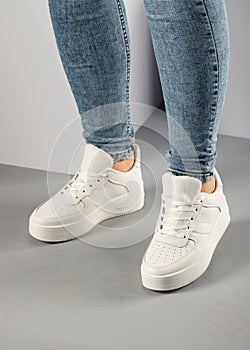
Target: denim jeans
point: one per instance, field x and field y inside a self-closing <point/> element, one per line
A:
<point x="191" y="45"/>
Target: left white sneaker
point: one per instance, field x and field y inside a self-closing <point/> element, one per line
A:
<point x="96" y="193"/>
<point x="189" y="227"/>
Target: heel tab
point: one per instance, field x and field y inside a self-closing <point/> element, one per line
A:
<point x="137" y="153"/>
<point x="217" y="178"/>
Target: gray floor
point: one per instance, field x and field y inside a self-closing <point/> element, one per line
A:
<point x="79" y="296"/>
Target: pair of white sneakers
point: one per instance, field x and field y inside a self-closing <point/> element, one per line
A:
<point x="188" y="229"/>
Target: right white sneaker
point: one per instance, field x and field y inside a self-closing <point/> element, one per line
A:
<point x="189" y="227"/>
<point x="96" y="193"/>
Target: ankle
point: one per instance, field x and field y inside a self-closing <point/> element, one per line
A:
<point x="124" y="165"/>
<point x="209" y="186"/>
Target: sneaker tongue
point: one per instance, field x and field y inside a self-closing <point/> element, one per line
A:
<point x="180" y="188"/>
<point x="95" y="161"/>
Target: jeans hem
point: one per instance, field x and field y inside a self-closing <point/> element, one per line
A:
<point x="203" y="177"/>
<point x="122" y="155"/>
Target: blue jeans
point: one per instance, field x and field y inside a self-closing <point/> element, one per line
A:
<point x="191" y="45"/>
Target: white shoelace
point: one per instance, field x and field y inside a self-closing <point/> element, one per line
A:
<point x="80" y="187"/>
<point x="174" y="223"/>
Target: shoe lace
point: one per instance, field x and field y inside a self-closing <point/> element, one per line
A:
<point x="80" y="186"/>
<point x="179" y="218"/>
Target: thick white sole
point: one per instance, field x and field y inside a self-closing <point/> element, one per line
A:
<point x="190" y="273"/>
<point x="62" y="233"/>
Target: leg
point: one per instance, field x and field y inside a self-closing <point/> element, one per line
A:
<point x="94" y="47"/>
<point x="191" y="45"/>
<point x="93" y="42"/>
<point x="190" y="39"/>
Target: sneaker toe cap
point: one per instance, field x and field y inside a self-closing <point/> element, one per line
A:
<point x="162" y="258"/>
<point x="54" y="212"/>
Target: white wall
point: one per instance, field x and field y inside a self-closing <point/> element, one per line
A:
<point x="235" y="120"/>
<point x="37" y="103"/>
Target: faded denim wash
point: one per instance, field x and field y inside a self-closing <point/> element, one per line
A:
<point x="191" y="45"/>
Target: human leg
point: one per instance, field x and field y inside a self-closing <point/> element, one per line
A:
<point x="191" y="44"/>
<point x="93" y="41"/>
<point x="190" y="40"/>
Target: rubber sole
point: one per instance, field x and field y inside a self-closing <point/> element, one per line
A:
<point x="63" y="233"/>
<point x="186" y="276"/>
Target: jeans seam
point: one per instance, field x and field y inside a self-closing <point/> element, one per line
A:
<point x="214" y="111"/>
<point x="127" y="47"/>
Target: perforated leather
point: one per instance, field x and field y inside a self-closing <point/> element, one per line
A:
<point x="56" y="207"/>
<point x="161" y="254"/>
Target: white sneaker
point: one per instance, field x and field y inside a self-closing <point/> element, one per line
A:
<point x="96" y="193"/>
<point x="189" y="227"/>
